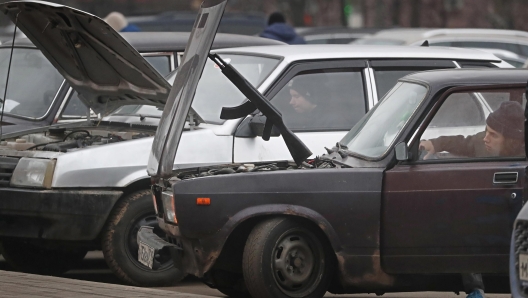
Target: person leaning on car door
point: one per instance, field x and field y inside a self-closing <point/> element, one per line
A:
<point x="504" y="136"/>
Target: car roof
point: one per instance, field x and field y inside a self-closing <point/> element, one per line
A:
<point x="469" y="76"/>
<point x="310" y="52"/>
<point x="413" y="35"/>
<point x="172" y="41"/>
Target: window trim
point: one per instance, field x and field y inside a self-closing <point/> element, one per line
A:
<point x="421" y="125"/>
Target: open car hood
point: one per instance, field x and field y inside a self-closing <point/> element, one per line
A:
<point x="95" y="60"/>
<point x="179" y="102"/>
<point x="166" y="141"/>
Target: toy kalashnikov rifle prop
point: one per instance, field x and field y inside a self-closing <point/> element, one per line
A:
<point x="297" y="148"/>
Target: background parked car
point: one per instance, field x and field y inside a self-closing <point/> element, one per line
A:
<point x="510" y="40"/>
<point x="39" y="97"/>
<point x="333" y="35"/>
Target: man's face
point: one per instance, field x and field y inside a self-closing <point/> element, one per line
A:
<point x="494" y="141"/>
<point x="300" y="103"/>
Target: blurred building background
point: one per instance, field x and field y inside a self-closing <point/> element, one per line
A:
<point x="505" y="14"/>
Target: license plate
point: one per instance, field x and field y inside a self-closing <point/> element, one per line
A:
<point x="145" y="254"/>
<point x="523" y="267"/>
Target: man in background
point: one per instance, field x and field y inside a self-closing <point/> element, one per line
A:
<point x="120" y="24"/>
<point x="277" y="29"/>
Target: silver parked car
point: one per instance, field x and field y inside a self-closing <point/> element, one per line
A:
<point x="60" y="224"/>
<point x="86" y="186"/>
<point x="510" y="40"/>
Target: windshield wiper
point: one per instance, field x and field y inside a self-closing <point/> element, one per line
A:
<point x="297" y="148"/>
<point x="141" y="117"/>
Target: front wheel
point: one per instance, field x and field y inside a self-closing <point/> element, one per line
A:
<point x="120" y="247"/>
<point x="284" y="258"/>
<point x="29" y="258"/>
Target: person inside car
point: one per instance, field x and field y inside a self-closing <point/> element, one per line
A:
<point x="504" y="136"/>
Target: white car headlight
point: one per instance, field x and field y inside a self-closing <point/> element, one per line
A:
<point x="33" y="172"/>
<point x="168" y="206"/>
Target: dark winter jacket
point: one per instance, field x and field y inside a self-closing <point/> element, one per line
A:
<point x="282" y="32"/>
<point x="470" y="146"/>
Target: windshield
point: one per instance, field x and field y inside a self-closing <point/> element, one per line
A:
<point x="215" y="91"/>
<point x="375" y="133"/>
<point x="33" y="82"/>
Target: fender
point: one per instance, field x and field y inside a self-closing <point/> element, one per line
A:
<point x="282" y="209"/>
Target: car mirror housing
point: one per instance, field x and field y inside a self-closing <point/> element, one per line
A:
<point x="257" y="124"/>
<point x="402" y="151"/>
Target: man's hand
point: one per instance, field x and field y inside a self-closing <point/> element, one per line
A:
<point x="427" y="146"/>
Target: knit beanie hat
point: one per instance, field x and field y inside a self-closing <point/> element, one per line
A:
<point x="276" y="17"/>
<point x="508" y="120"/>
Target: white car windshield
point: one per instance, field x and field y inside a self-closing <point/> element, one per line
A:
<point x="376" y="132"/>
<point x="33" y="82"/>
<point x="215" y="91"/>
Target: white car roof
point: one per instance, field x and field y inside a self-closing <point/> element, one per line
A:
<point x="313" y="52"/>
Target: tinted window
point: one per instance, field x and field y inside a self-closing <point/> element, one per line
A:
<point x="329" y="100"/>
<point x="386" y="79"/>
<point x="440" y="44"/>
<point x="160" y="63"/>
<point x="524" y="50"/>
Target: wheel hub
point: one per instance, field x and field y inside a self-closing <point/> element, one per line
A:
<point x="293" y="263"/>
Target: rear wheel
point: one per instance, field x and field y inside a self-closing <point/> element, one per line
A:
<point x="120" y="247"/>
<point x="29" y="258"/>
<point x="284" y="258"/>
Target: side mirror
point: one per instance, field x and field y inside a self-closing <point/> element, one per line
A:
<point x="402" y="151"/>
<point x="257" y="124"/>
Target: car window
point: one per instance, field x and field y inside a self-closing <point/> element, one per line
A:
<point x="524" y="50"/>
<point x="75" y="108"/>
<point x="440" y="44"/>
<point x="512" y="47"/>
<point x="33" y="82"/>
<point x="386" y="79"/>
<point x="476" y="125"/>
<point x="160" y="63"/>
<point x="323" y="100"/>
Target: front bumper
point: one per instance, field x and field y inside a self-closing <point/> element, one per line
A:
<point x="71" y="215"/>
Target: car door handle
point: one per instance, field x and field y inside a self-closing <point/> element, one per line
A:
<point x="505" y="178"/>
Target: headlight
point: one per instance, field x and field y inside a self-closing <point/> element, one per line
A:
<point x="33" y="172"/>
<point x="168" y="205"/>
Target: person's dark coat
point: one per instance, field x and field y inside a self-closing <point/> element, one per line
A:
<point x="470" y="146"/>
<point x="282" y="32"/>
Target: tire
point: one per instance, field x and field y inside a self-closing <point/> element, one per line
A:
<point x="283" y="258"/>
<point x="29" y="258"/>
<point x="120" y="248"/>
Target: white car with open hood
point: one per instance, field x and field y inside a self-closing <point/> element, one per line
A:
<point x="86" y="187"/>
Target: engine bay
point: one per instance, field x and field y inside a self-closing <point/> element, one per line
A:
<point x="67" y="140"/>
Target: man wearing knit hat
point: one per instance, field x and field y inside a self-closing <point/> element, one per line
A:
<point x="504" y="136"/>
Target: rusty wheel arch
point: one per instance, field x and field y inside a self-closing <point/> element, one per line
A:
<point x="230" y="258"/>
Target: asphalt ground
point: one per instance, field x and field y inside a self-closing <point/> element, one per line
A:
<point x="93" y="278"/>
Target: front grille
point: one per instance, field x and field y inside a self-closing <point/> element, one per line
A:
<point x="521" y="246"/>
<point x="7" y="166"/>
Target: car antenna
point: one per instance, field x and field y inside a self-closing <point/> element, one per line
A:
<point x="425" y="43"/>
<point x="7" y="78"/>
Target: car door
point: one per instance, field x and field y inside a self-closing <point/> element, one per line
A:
<point x="454" y="213"/>
<point x="337" y="89"/>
